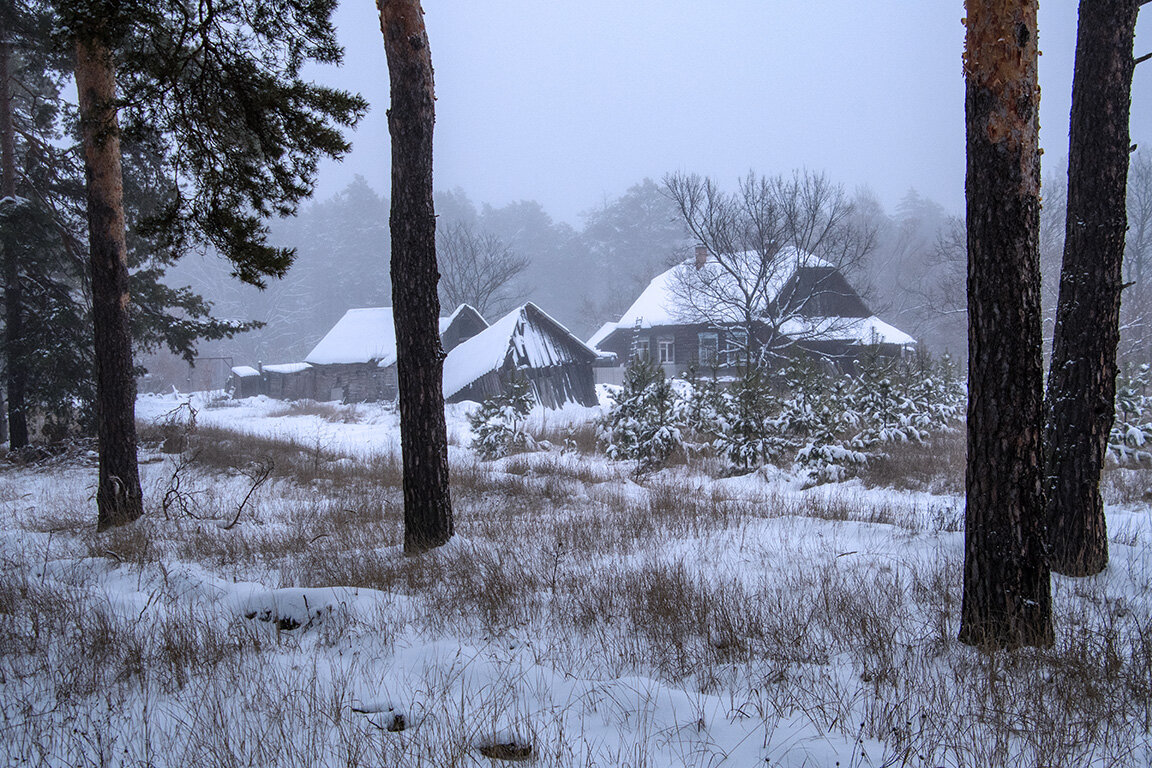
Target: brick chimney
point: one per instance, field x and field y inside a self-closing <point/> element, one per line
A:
<point x="701" y="256"/>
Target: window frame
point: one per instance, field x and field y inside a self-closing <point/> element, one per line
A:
<point x="708" y="348"/>
<point x="736" y="347"/>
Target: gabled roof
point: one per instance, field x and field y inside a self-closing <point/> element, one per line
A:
<point x="527" y="337"/>
<point x="364" y="335"/>
<point x="361" y="336"/>
<point x="446" y="322"/>
<point x="602" y="333"/>
<point x="658" y="304"/>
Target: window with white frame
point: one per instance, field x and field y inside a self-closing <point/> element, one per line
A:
<point x="709" y="348"/>
<point x="643" y="351"/>
<point x="667" y="351"/>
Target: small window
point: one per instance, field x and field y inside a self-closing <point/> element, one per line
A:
<point x="642" y="350"/>
<point x="667" y="351"/>
<point x="709" y="343"/>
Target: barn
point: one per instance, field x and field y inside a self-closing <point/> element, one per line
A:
<point x="354" y="362"/>
<point x="525" y="342"/>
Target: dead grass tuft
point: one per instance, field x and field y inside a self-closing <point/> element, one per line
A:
<point x="331" y="412"/>
<point x="935" y="465"/>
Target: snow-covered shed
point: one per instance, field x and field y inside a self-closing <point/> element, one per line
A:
<point x="356" y="360"/>
<point x="461" y="325"/>
<point x="525" y="342"/>
<point x="244" y="381"/>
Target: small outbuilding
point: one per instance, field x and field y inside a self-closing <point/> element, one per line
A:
<point x="244" y="381"/>
<point x="525" y="342"/>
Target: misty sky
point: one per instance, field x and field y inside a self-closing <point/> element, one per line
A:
<point x="569" y="102"/>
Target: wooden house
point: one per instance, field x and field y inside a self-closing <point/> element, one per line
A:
<point x="525" y="342"/>
<point x="353" y="362"/>
<point x="802" y="304"/>
<point x="289" y="381"/>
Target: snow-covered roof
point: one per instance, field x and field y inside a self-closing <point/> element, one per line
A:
<point x="367" y="334"/>
<point x="360" y="336"/>
<point x="862" y="330"/>
<point x="527" y="332"/>
<point x="244" y="371"/>
<point x="601" y="334"/>
<point x="446" y="322"/>
<point x="287" y="367"/>
<point x="658" y="303"/>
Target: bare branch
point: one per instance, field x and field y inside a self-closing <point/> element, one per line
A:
<point x="477" y="269"/>
<point x="756" y="241"/>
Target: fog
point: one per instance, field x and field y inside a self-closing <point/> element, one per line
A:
<point x="551" y="116"/>
<point x="569" y="103"/>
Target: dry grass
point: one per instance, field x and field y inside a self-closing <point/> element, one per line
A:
<point x="935" y="465"/>
<point x="328" y="411"/>
<point x="580" y="438"/>
<point x="756" y="600"/>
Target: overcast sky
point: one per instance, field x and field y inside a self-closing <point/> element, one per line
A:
<point x="570" y="102"/>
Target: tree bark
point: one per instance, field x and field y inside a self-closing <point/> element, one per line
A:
<point x="415" y="306"/>
<point x="118" y="496"/>
<point x="16" y="372"/>
<point x="1082" y="376"/>
<point x="1007" y="591"/>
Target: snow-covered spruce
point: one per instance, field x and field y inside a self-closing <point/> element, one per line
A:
<point x="827" y="422"/>
<point x="644" y="423"/>
<point x="498" y="425"/>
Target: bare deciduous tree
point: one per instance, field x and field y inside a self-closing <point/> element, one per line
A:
<point x="477" y="268"/>
<point x="752" y="241"/>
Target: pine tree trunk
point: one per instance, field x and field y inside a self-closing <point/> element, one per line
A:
<point x="15" y="369"/>
<point x="1007" y="591"/>
<point x="1082" y="376"/>
<point x="415" y="306"/>
<point x="118" y="496"/>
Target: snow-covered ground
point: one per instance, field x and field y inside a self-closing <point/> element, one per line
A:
<point x="580" y="616"/>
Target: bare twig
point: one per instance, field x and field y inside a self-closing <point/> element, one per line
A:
<point x="258" y="474"/>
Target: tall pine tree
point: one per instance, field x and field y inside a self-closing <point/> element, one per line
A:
<point x="1082" y="375"/>
<point x="419" y="355"/>
<point x="1007" y="586"/>
<point x="219" y="84"/>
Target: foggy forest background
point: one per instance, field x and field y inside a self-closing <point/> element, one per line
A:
<point x="585" y="275"/>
